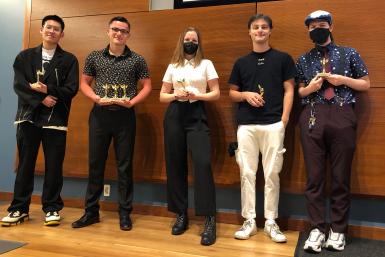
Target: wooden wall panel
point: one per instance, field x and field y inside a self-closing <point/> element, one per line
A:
<point x="154" y="35"/>
<point x="72" y="8"/>
<point x="364" y="34"/>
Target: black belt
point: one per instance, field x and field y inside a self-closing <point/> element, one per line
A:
<point x="112" y="107"/>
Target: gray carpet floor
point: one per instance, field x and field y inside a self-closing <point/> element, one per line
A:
<point x="355" y="247"/>
<point x="6" y="246"/>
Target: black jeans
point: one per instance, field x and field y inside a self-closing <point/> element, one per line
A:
<point x="333" y="136"/>
<point x="29" y="138"/>
<point x="185" y="126"/>
<point x="106" y="125"/>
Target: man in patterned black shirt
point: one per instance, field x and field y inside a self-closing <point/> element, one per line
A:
<point x="116" y="70"/>
<point x="328" y="75"/>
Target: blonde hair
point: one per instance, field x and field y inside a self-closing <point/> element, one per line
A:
<point x="178" y="56"/>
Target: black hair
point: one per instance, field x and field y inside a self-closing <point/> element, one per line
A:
<point x="53" y="18"/>
<point x="258" y="17"/>
<point x="121" y="19"/>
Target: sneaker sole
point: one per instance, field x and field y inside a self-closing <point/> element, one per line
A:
<point x="52" y="223"/>
<point x="312" y="250"/>
<point x="333" y="249"/>
<point x="15" y="223"/>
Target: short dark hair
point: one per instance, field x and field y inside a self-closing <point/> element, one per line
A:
<point x="53" y="18"/>
<point x="258" y="17"/>
<point x="121" y="19"/>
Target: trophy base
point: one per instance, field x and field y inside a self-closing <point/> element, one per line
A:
<point x="323" y="74"/>
<point x="113" y="99"/>
<point x="35" y="85"/>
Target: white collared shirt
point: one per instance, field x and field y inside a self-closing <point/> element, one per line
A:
<point x="189" y="77"/>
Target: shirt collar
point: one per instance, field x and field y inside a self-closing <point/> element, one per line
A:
<point x="126" y="52"/>
<point x="328" y="48"/>
<point x="191" y="62"/>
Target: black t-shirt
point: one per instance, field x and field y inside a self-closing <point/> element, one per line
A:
<point x="262" y="72"/>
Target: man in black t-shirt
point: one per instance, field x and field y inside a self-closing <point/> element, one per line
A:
<point x="262" y="83"/>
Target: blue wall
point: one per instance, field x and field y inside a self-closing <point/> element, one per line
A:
<point x="11" y="24"/>
<point x="368" y="212"/>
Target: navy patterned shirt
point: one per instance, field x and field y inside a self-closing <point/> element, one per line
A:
<point x="344" y="61"/>
<point x="115" y="72"/>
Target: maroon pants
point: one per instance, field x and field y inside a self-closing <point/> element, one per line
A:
<point x="333" y="136"/>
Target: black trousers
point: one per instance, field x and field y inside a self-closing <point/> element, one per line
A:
<point x="106" y="125"/>
<point x="185" y="127"/>
<point x="28" y="138"/>
<point x="333" y="136"/>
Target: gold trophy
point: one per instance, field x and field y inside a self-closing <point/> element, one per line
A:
<point x="105" y="98"/>
<point x="116" y="96"/>
<point x="261" y="90"/>
<point x="124" y="88"/>
<point x="39" y="78"/>
<point x="324" y="61"/>
<point x="183" y="83"/>
<point x="115" y="88"/>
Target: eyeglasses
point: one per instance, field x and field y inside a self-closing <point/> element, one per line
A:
<point x="123" y="31"/>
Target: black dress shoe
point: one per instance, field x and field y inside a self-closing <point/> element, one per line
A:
<point x="209" y="233"/>
<point x="87" y="219"/>
<point x="180" y="224"/>
<point x="125" y="222"/>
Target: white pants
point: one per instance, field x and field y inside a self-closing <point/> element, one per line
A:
<point x="267" y="139"/>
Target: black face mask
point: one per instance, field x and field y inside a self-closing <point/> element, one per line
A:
<point x="190" y="47"/>
<point x="319" y="35"/>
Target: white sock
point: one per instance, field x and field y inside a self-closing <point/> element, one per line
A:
<point x="270" y="222"/>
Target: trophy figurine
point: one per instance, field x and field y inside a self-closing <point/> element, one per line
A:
<point x="116" y="97"/>
<point x="105" y="98"/>
<point x="261" y="90"/>
<point x="39" y="78"/>
<point x="183" y="83"/>
<point x="115" y="88"/>
<point x="324" y="61"/>
<point x="124" y="96"/>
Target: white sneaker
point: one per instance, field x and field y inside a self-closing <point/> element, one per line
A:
<point x="248" y="229"/>
<point x="335" y="242"/>
<point x="52" y="218"/>
<point x="315" y="241"/>
<point x="273" y="231"/>
<point x="14" y="218"/>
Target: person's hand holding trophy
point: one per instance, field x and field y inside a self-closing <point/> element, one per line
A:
<point x="38" y="85"/>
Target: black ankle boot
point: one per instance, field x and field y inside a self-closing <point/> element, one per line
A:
<point x="180" y="224"/>
<point x="209" y="234"/>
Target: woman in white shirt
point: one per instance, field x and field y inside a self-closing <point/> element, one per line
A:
<point x="185" y="85"/>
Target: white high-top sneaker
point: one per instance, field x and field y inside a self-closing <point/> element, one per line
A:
<point x="273" y="231"/>
<point x="248" y="229"/>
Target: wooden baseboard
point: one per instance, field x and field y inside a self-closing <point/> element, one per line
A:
<point x="377" y="233"/>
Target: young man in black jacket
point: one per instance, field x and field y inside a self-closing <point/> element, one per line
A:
<point x="46" y="79"/>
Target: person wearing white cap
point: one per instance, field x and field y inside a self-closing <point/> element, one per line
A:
<point x="262" y="85"/>
<point x="328" y="77"/>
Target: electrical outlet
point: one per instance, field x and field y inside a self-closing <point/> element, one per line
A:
<point x="106" y="191"/>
